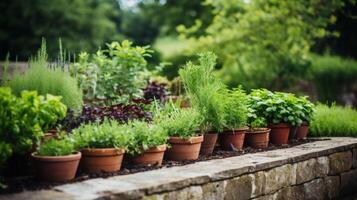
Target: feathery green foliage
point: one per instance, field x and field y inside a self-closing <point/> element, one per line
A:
<point x="334" y="121"/>
<point x="44" y="80"/>
<point x="236" y="108"/>
<point x="144" y="136"/>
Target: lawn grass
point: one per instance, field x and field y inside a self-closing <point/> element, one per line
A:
<point x="334" y="121"/>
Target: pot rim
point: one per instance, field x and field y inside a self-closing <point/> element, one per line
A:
<point x="102" y="151"/>
<point x="240" y="130"/>
<point x="76" y="155"/>
<point x="190" y="140"/>
<point x="262" y="130"/>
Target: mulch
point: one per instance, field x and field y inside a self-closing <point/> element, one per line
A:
<point x="21" y="183"/>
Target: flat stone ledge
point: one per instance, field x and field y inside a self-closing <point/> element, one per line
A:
<point x="200" y="173"/>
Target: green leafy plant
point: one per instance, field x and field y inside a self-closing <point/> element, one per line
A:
<point x="115" y="75"/>
<point x="236" y="108"/>
<point x="54" y="147"/>
<point x="144" y="136"/>
<point x="205" y="91"/>
<point x="109" y="134"/>
<point x="334" y="121"/>
<point x="182" y="123"/>
<point x="278" y="107"/>
<point x="23" y="119"/>
<point x="47" y="80"/>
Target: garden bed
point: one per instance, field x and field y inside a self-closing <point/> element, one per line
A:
<point x="322" y="169"/>
<point x="18" y="184"/>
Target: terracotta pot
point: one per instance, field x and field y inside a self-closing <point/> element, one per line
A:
<point x="184" y="149"/>
<point x="302" y="131"/>
<point x="152" y="156"/>
<point x="185" y="104"/>
<point x="209" y="142"/>
<point x="257" y="138"/>
<point x="101" y="159"/>
<point x="56" y="168"/>
<point x="233" y="139"/>
<point x="292" y="132"/>
<point x="279" y="133"/>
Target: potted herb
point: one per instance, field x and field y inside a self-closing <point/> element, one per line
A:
<point x="307" y="111"/>
<point x="276" y="109"/>
<point x="257" y="135"/>
<point x="147" y="143"/>
<point x="204" y="91"/>
<point x="56" y="160"/>
<point x="185" y="140"/>
<point x="236" y="109"/>
<point x="102" y="145"/>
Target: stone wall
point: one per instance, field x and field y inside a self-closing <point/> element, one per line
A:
<point x="326" y="177"/>
<point x="319" y="170"/>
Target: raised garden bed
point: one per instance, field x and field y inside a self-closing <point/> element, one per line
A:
<point x="18" y="184"/>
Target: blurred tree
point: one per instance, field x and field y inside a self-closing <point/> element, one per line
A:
<point x="168" y="14"/>
<point x="81" y="24"/>
<point x="264" y="43"/>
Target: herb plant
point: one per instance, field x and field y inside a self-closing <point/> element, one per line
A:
<point x="109" y="134"/>
<point x="144" y="136"/>
<point x="205" y="91"/>
<point x="236" y="108"/>
<point x="53" y="147"/>
<point x="45" y="80"/>
<point x="182" y="123"/>
<point x="23" y="119"/>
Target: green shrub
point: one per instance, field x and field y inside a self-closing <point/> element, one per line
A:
<point x="334" y="121"/>
<point x="182" y="123"/>
<point x="116" y="74"/>
<point x="333" y="75"/>
<point x="205" y="91"/>
<point x="23" y="120"/>
<point x="109" y="134"/>
<point x="144" y="136"/>
<point x="44" y="80"/>
<point x="236" y="108"/>
<point x="55" y="147"/>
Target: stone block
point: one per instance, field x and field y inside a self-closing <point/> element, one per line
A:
<point x="192" y="193"/>
<point x="340" y="162"/>
<point x="354" y="163"/>
<point x="349" y="182"/>
<point x="266" y="197"/>
<point x="314" y="189"/>
<point x="322" y="166"/>
<point x="293" y="192"/>
<point x="259" y="182"/>
<point x="213" y="191"/>
<point x="280" y="177"/>
<point x="239" y="188"/>
<point x="306" y="171"/>
<point x="332" y="184"/>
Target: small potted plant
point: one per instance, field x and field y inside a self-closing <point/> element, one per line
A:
<point x="307" y="111"/>
<point x="102" y="145"/>
<point x="236" y="110"/>
<point x="56" y="160"/>
<point x="147" y="143"/>
<point x="185" y="140"/>
<point x="275" y="108"/>
<point x="204" y="91"/>
<point x="257" y="135"/>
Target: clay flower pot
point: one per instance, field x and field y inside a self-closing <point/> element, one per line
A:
<point x="279" y="133"/>
<point x="209" y="142"/>
<point x="152" y="156"/>
<point x="292" y="132"/>
<point x="257" y="138"/>
<point x="56" y="168"/>
<point x="101" y="159"/>
<point x="302" y="131"/>
<point x="184" y="149"/>
<point x="233" y="139"/>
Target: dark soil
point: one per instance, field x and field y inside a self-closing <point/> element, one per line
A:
<point x="21" y="183"/>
